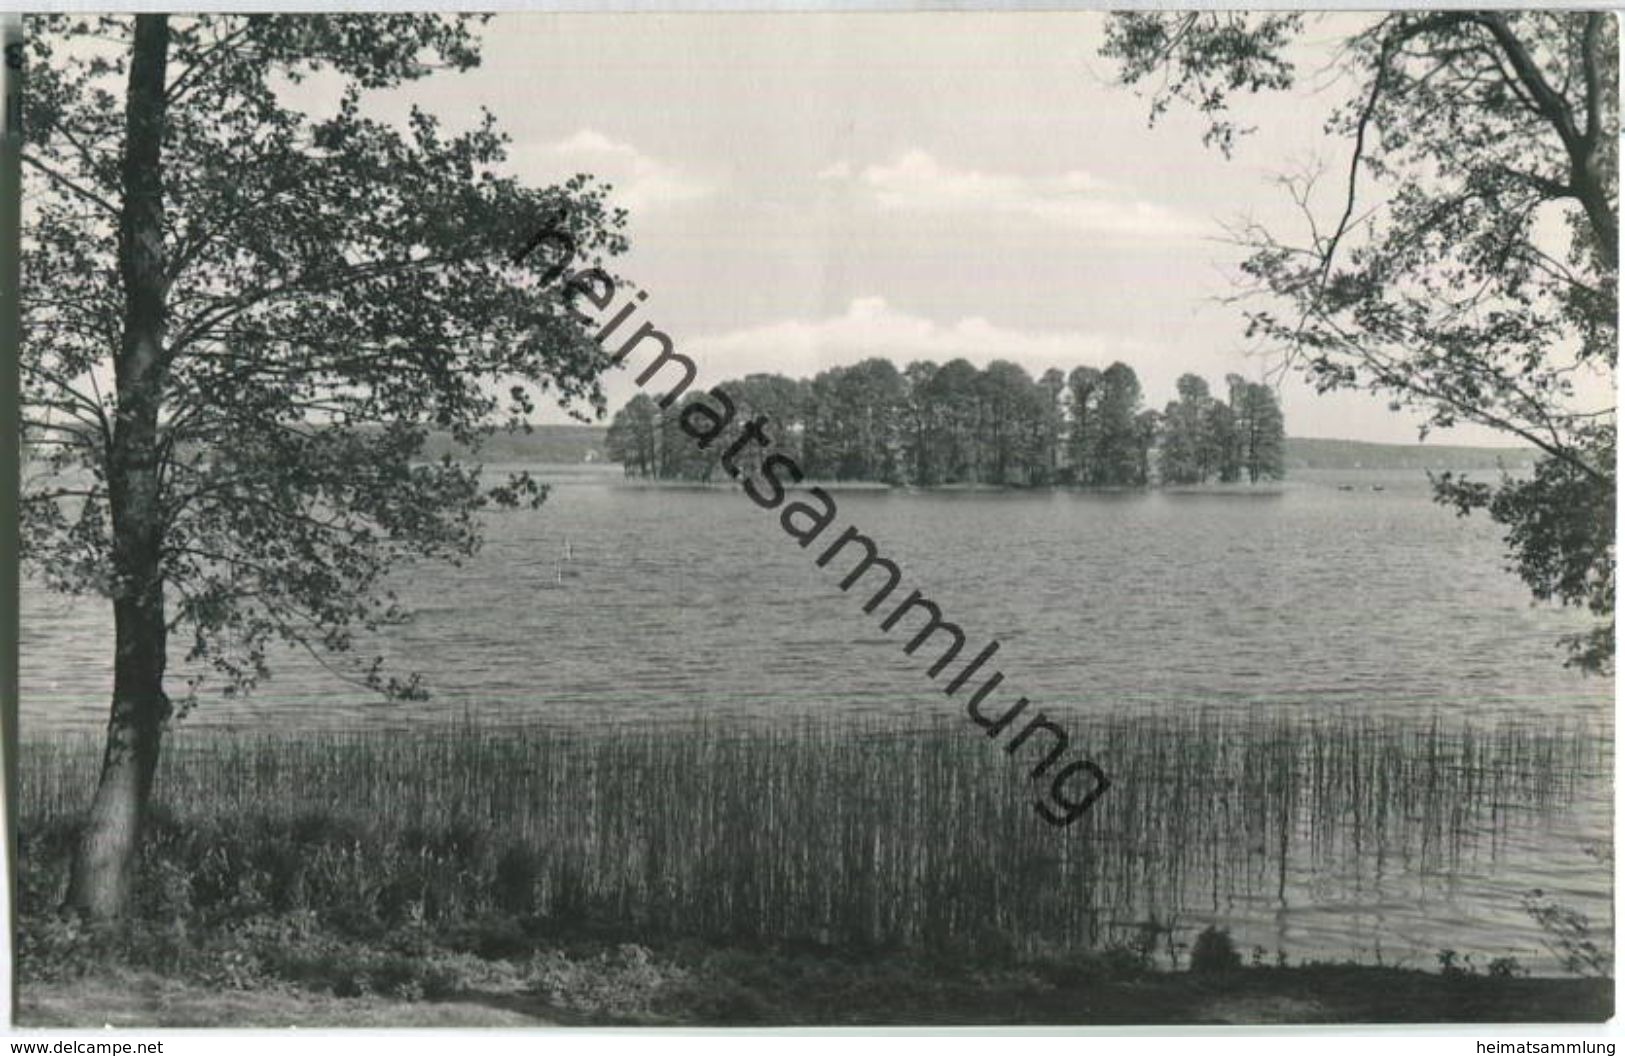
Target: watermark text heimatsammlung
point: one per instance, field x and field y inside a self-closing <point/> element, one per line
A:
<point x="1066" y="788"/>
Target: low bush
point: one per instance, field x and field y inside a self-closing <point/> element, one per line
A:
<point x="1215" y="952"/>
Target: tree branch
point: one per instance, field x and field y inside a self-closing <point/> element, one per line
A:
<point x="1552" y="105"/>
<point x="89" y="196"/>
<point x="1589" y="65"/>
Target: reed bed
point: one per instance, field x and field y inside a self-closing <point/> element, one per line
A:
<point x="835" y="834"/>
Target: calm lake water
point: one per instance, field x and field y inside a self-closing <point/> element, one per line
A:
<point x="620" y="604"/>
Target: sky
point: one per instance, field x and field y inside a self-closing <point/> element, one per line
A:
<point x="809" y="190"/>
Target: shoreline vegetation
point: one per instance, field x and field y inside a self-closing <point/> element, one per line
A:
<point x="824" y="872"/>
<point x="692" y="986"/>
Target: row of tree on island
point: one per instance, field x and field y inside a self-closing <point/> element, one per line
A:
<point x="930" y="425"/>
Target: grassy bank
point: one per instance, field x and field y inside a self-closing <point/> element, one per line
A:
<point x="464" y="860"/>
<point x="715" y="988"/>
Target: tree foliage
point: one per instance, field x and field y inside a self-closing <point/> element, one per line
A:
<point x="931" y="425"/>
<point x="1465" y="265"/>
<point x="1205" y="438"/>
<point x="243" y="317"/>
<point x="334" y="286"/>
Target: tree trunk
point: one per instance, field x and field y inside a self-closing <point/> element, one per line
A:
<point x="103" y="869"/>
<point x="1593" y="194"/>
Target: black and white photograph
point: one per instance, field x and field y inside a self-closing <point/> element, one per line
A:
<point x="817" y="519"/>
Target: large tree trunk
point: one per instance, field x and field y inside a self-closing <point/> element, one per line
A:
<point x="103" y="869"/>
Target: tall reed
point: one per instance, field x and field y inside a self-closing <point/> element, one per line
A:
<point x="817" y="832"/>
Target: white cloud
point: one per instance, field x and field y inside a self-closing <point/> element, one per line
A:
<point x="918" y="182"/>
<point x="640" y="182"/>
<point x="871" y="327"/>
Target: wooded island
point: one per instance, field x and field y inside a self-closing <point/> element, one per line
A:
<point x="928" y="425"/>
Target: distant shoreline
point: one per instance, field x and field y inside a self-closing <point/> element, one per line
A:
<point x="584" y="444"/>
<point x="1270" y="488"/>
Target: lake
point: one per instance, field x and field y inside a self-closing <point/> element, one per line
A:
<point x="1341" y="595"/>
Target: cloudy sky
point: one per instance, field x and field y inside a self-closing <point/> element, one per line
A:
<point x="809" y="190"/>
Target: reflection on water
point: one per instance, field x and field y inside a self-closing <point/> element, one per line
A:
<point x="1128" y="614"/>
<point x="1385" y="838"/>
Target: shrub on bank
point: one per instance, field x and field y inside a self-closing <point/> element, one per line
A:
<point x="1215" y="952"/>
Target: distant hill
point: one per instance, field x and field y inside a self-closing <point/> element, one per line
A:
<point x="1308" y="452"/>
<point x="585" y="443"/>
<point x="545" y="443"/>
